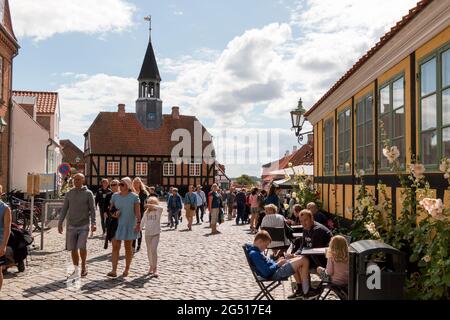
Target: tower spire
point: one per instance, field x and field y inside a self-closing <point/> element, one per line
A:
<point x="149" y="19"/>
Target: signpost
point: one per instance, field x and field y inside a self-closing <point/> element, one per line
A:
<point x="64" y="169"/>
<point x="37" y="183"/>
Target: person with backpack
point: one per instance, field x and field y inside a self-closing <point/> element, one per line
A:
<point x="5" y="232"/>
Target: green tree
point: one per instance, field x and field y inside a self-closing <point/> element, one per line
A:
<point x="245" y="180"/>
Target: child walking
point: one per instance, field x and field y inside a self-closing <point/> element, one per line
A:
<point x="337" y="262"/>
<point x="151" y="222"/>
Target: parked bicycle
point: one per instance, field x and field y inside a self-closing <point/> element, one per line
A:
<point x="21" y="211"/>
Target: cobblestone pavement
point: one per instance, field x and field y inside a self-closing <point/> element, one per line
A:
<point x="192" y="265"/>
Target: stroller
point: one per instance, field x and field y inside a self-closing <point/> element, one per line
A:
<point x="18" y="242"/>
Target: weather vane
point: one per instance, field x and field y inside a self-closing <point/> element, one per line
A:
<point x="149" y="19"/>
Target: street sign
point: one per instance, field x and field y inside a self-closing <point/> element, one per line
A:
<point x="33" y="181"/>
<point x="64" y="169"/>
<point x="47" y="182"/>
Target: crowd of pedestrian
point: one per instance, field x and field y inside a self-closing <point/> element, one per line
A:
<point x="129" y="212"/>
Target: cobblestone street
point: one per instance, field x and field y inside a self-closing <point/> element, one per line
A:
<point x="192" y="265"/>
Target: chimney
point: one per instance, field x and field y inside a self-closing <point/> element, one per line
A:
<point x="294" y="149"/>
<point x="121" y="110"/>
<point x="287" y="153"/>
<point x="311" y="139"/>
<point x="175" y="112"/>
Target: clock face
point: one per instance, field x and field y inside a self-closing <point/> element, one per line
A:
<point x="151" y="116"/>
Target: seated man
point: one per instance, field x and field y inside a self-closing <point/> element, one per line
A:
<point x="281" y="269"/>
<point x="317" y="214"/>
<point x="315" y="235"/>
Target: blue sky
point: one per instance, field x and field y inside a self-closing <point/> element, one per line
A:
<point x="236" y="65"/>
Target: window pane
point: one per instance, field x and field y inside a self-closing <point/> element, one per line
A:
<point x="400" y="144"/>
<point x="398" y="94"/>
<point x="385" y="100"/>
<point x="429" y="147"/>
<point x="429" y="113"/>
<point x="369" y="159"/>
<point x="399" y="122"/>
<point x="382" y="159"/>
<point x="360" y="158"/>
<point x="360" y="136"/>
<point x="428" y="80"/>
<point x="347" y="119"/>
<point x="446" y="68"/>
<point x="369" y="133"/>
<point x="359" y="113"/>
<point x="369" y="102"/>
<point x="386" y="120"/>
<point x="446" y="142"/>
<point x="347" y="161"/>
<point x="446" y="107"/>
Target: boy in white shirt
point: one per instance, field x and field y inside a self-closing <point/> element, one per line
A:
<point x="151" y="222"/>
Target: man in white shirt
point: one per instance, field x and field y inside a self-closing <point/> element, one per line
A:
<point x="201" y="203"/>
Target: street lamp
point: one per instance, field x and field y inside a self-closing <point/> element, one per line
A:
<point x="3" y="125"/>
<point x="298" y="120"/>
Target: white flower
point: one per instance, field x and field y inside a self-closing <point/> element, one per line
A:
<point x="391" y="153"/>
<point x="434" y="207"/>
<point x="426" y="258"/>
<point x="418" y="170"/>
<point x="443" y="166"/>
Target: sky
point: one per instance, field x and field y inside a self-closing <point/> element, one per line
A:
<point x="238" y="66"/>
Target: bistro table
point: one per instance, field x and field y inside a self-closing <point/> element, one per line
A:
<point x="314" y="253"/>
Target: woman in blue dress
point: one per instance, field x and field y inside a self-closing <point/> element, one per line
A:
<point x="5" y="231"/>
<point x="129" y="225"/>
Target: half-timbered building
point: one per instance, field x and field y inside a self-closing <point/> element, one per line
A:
<point x="163" y="149"/>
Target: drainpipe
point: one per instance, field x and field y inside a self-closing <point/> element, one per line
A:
<point x="46" y="155"/>
<point x="9" y="110"/>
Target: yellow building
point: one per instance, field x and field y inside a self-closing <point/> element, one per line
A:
<point x="403" y="84"/>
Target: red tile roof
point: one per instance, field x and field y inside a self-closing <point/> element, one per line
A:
<point x="113" y="134"/>
<point x="384" y="39"/>
<point x="303" y="156"/>
<point x="47" y="102"/>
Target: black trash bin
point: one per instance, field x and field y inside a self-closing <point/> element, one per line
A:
<point x="370" y="258"/>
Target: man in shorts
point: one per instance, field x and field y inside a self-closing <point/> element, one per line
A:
<point x="281" y="269"/>
<point x="79" y="208"/>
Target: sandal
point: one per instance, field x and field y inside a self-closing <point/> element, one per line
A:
<point x="84" y="273"/>
<point x="125" y="274"/>
<point x="112" y="275"/>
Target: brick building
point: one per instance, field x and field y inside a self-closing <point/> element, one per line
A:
<point x="72" y="155"/>
<point x="9" y="49"/>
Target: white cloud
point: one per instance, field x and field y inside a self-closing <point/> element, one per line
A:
<point x="86" y="96"/>
<point x="178" y="13"/>
<point x="44" y="18"/>
<point x="260" y="75"/>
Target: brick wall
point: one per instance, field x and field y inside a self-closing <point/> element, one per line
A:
<point x="7" y="50"/>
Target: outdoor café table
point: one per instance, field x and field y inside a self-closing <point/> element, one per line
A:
<point x="314" y="253"/>
<point x="297" y="235"/>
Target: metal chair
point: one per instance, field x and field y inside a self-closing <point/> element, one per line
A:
<point x="328" y="287"/>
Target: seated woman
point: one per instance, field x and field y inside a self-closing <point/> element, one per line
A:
<point x="336" y="271"/>
<point x="280" y="269"/>
<point x="274" y="220"/>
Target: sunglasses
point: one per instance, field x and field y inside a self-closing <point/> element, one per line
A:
<point x="114" y="185"/>
<point x="121" y="184"/>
